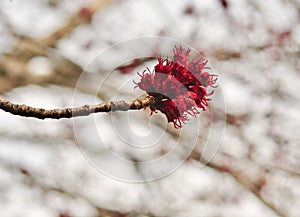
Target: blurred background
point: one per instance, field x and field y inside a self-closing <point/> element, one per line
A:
<point x="54" y="168"/>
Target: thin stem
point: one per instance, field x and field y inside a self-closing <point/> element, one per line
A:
<point x="40" y="113"/>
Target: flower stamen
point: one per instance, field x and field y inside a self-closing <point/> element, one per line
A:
<point x="179" y="86"/>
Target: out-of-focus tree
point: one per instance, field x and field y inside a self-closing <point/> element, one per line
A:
<point x="57" y="54"/>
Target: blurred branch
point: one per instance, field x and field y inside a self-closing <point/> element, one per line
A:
<point x="225" y="165"/>
<point x="14" y="73"/>
<point x="13" y="65"/>
<point x="33" y="181"/>
<point x="84" y="16"/>
<point x="253" y="187"/>
<point x="27" y="48"/>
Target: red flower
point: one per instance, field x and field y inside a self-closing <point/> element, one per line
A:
<point x="178" y="85"/>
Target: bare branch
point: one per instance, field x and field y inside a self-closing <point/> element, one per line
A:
<point x="40" y="113"/>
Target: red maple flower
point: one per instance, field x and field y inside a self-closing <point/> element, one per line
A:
<point x="179" y="86"/>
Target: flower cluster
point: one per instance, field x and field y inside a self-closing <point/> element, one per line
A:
<point x="179" y="86"/>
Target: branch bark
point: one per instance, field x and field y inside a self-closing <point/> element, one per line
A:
<point x="40" y="113"/>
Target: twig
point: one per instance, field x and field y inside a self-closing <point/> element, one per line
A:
<point x="40" y="113"/>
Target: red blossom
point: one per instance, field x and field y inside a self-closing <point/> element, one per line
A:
<point x="189" y="10"/>
<point x="178" y="85"/>
<point x="126" y="69"/>
<point x="224" y="3"/>
<point x="86" y="13"/>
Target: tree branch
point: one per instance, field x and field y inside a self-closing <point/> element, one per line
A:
<point x="40" y="113"/>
